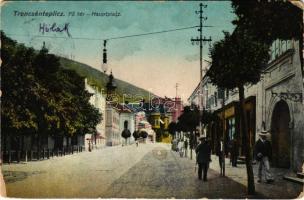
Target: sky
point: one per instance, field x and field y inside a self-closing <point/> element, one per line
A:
<point x="153" y="62"/>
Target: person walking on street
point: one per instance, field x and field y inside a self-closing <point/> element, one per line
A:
<point x="186" y="147"/>
<point x="203" y="157"/>
<point x="263" y="153"/>
<point x="181" y="148"/>
<point x="220" y="153"/>
<point x="234" y="151"/>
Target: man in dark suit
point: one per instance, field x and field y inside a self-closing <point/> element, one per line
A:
<point x="203" y="157"/>
<point x="263" y="153"/>
<point x="234" y="151"/>
<point x="219" y="152"/>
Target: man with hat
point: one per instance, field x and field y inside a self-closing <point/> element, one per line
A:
<point x="203" y="157"/>
<point x="263" y="153"/>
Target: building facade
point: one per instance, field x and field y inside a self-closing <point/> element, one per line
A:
<point x="113" y="135"/>
<point x="98" y="100"/>
<point x="275" y="104"/>
<point x="280" y="104"/>
<point x="126" y="118"/>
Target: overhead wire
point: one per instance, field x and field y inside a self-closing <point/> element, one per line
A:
<point x="112" y="38"/>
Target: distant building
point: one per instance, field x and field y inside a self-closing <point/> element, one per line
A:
<point x="98" y="100"/>
<point x="113" y="135"/>
<point x="126" y="117"/>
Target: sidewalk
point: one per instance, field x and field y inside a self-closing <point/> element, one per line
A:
<point x="279" y="189"/>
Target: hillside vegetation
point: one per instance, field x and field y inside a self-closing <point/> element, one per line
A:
<point x="100" y="79"/>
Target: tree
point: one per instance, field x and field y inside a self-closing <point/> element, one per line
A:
<point x="188" y="121"/>
<point x="242" y="57"/>
<point x="136" y="135"/>
<point x="18" y="89"/>
<point x="172" y="129"/>
<point x="276" y="20"/>
<point x="40" y="98"/>
<point x="208" y="117"/>
<point x="126" y="134"/>
<point x="143" y="134"/>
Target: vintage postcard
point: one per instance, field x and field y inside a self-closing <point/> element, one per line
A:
<point x="152" y="99"/>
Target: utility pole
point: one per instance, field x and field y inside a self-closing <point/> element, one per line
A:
<point x="224" y="136"/>
<point x="199" y="41"/>
<point x="176" y="87"/>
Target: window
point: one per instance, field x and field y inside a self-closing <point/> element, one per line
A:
<point x="283" y="46"/>
<point x="279" y="47"/>
<point x="231" y="128"/>
<point x="276" y="48"/>
<point x="215" y="98"/>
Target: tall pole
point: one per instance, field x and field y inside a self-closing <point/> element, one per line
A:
<point x="224" y="136"/>
<point x="201" y="66"/>
<point x="200" y="40"/>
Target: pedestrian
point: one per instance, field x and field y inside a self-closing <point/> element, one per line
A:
<point x="181" y="148"/>
<point x="263" y="153"/>
<point x="136" y="141"/>
<point x="220" y="153"/>
<point x="234" y="151"/>
<point x="174" y="145"/>
<point x="186" y="147"/>
<point x="203" y="157"/>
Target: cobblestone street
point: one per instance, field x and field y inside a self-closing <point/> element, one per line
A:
<point x="163" y="174"/>
<point x="147" y="171"/>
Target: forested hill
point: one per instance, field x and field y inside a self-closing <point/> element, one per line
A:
<point x="99" y="79"/>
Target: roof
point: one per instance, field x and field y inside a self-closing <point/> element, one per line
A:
<point x="123" y="108"/>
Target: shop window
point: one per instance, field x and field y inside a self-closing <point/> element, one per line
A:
<point x="231" y="128"/>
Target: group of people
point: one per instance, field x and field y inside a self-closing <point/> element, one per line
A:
<point x="180" y="146"/>
<point x="232" y="147"/>
<point x="262" y="154"/>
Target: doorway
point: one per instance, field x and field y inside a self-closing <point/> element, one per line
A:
<point x="280" y="135"/>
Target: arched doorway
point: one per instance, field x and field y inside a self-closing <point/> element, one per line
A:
<point x="280" y="135"/>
